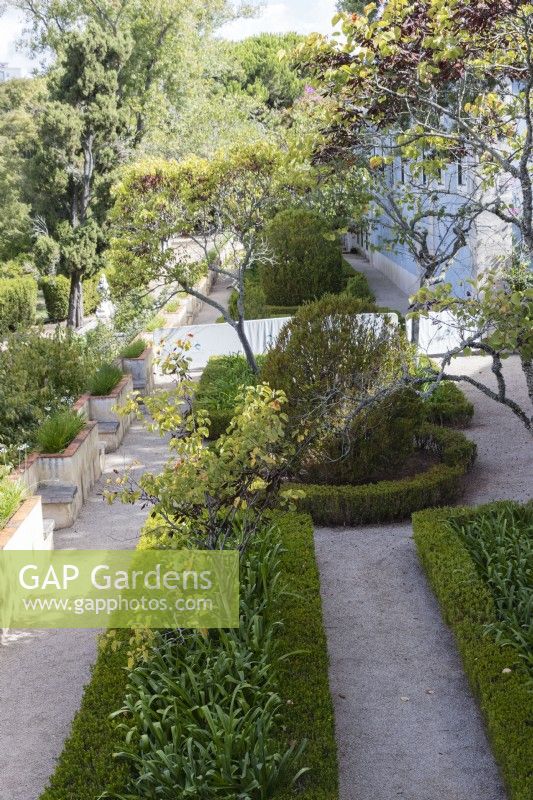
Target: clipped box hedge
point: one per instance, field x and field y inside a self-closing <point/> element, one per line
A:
<point x="303" y="675"/>
<point x="389" y="501"/>
<point x="18" y="300"/>
<point x="448" y="406"/>
<point x="467" y="606"/>
<point x="86" y="767"/>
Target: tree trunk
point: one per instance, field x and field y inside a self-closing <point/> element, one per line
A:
<point x="252" y="363"/>
<point x="527" y="369"/>
<point x="415" y="327"/>
<point x="75" y="301"/>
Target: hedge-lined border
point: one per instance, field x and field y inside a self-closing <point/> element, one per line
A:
<point x="86" y="766"/>
<point x="467" y="605"/>
<point x="389" y="501"/>
<point x="303" y="676"/>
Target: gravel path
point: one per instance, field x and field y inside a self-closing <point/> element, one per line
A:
<point x="42" y="673"/>
<point x="407" y="725"/>
<point x="386" y="292"/>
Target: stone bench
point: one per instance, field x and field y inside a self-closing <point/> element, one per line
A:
<point x="60" y="502"/>
<point x="109" y="433"/>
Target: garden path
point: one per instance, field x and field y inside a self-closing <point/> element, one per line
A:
<point x="386" y="292"/>
<point x="220" y="293"/>
<point x="407" y="724"/>
<point x="42" y="673"/>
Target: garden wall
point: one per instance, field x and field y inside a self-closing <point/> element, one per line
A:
<point x="112" y="426"/>
<point x="141" y="370"/>
<point x="26" y="530"/>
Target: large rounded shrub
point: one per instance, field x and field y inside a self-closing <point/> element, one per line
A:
<point x="18" y="298"/>
<point x="328" y="359"/>
<point x="56" y="291"/>
<point x="306" y="259"/>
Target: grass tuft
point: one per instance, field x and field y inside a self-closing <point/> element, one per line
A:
<point x="59" y="430"/>
<point x="105" y="380"/>
<point x="134" y="349"/>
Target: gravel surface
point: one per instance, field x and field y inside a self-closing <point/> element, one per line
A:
<point x="386" y="292"/>
<point x="407" y="724"/>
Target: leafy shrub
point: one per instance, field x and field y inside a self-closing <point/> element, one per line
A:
<point x="327" y="359"/>
<point x="377" y="443"/>
<point x="56" y="292"/>
<point x="468" y="606"/>
<point x="323" y="342"/>
<point x="11" y="496"/>
<point x="91" y="295"/>
<point x="38" y="375"/>
<point x="46" y="254"/>
<point x="254" y="298"/>
<point x="132" y="313"/>
<point x="306" y="259"/>
<point x="389" y="501"/>
<point x="59" y="430"/>
<point x="218" y="389"/>
<point x="302" y="676"/>
<point x="134" y="349"/>
<point x="105" y="379"/>
<point x="20" y="267"/>
<point x="103" y="343"/>
<point x="448" y="406"/>
<point x="280" y="311"/>
<point x="357" y="286"/>
<point x="18" y="299"/>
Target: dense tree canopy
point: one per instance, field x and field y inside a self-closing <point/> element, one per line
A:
<point x="265" y="68"/>
<point x="442" y="81"/>
<point x="19" y="104"/>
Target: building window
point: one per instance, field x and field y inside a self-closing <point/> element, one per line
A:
<point x="460" y="173"/>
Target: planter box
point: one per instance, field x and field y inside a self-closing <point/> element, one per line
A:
<point x="111" y="426"/>
<point x="141" y="370"/>
<point x="26" y="530"/>
<point x="64" y="480"/>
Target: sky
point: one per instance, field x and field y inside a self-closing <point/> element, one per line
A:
<point x="303" y="16"/>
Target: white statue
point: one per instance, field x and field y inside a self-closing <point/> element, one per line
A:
<point x="106" y="308"/>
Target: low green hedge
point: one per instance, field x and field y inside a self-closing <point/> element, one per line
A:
<point x="448" y="406"/>
<point x="86" y="767"/>
<point x="303" y="676"/>
<point x="18" y="300"/>
<point x="388" y="501"/>
<point x="56" y="291"/>
<point x="280" y="311"/>
<point x="468" y="606"/>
